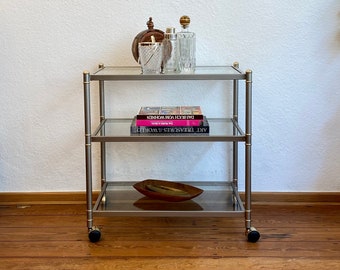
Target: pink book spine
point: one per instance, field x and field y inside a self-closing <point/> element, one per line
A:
<point x="168" y="123"/>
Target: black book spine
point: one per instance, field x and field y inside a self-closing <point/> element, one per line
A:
<point x="199" y="129"/>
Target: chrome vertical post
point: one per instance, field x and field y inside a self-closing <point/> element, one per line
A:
<point x="235" y="118"/>
<point x="248" y="123"/>
<point x="102" y="144"/>
<point x="87" y="114"/>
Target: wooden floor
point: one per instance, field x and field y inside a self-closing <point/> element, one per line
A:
<point x="54" y="236"/>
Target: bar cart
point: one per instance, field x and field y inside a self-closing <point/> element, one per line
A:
<point x="219" y="199"/>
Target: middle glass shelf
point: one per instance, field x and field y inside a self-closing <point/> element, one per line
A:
<point x="119" y="130"/>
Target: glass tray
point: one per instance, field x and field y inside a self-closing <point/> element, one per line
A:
<point x="121" y="199"/>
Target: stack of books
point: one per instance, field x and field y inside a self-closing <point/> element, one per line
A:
<point x="170" y="119"/>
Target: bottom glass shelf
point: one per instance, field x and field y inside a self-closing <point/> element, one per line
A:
<point x="219" y="199"/>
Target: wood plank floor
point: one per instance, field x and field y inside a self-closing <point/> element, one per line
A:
<point x="54" y="236"/>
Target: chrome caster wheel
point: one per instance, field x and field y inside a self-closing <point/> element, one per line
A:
<point x="94" y="234"/>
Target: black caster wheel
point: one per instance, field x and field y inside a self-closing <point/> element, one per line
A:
<point x="94" y="234"/>
<point x="252" y="235"/>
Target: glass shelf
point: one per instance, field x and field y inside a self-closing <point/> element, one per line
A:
<point x="121" y="199"/>
<point x="118" y="130"/>
<point x="201" y="73"/>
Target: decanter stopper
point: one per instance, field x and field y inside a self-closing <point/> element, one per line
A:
<point x="184" y="21"/>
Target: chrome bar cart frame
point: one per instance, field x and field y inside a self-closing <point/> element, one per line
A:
<point x="105" y="133"/>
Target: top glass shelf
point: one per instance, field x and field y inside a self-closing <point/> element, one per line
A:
<point x="201" y="73"/>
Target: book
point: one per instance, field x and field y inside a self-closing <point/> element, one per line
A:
<point x="170" y="113"/>
<point x="169" y="122"/>
<point x="203" y="129"/>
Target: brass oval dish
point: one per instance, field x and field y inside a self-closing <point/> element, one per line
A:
<point x="167" y="190"/>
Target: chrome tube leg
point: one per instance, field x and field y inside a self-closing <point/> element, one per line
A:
<point x="88" y="157"/>
<point x="248" y="116"/>
<point x="252" y="234"/>
<point x="235" y="131"/>
<point x="102" y="144"/>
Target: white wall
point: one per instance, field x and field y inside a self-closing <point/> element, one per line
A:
<point x="293" y="48"/>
